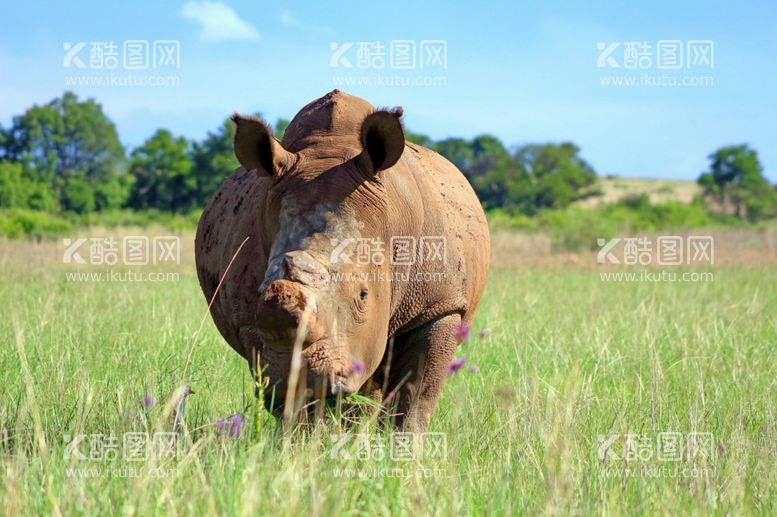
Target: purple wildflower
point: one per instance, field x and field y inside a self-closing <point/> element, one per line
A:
<point x="473" y="369"/>
<point x="357" y="367"/>
<point x="461" y="332"/>
<point x="221" y="424"/>
<point x="148" y="400"/>
<point x="456" y="365"/>
<point x="237" y="421"/>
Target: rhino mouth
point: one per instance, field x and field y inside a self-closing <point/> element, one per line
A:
<point x="327" y="393"/>
<point x="323" y="375"/>
<point x="277" y="407"/>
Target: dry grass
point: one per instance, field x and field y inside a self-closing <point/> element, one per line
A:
<point x="733" y="247"/>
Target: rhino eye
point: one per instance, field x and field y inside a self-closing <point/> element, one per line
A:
<point x="363" y="295"/>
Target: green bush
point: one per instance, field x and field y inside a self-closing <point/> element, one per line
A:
<point x="501" y="219"/>
<point x="576" y="227"/>
<point x="28" y="223"/>
<point x="18" y="190"/>
<point x="78" y="194"/>
<point x="636" y="213"/>
<point x="18" y="222"/>
<point x="142" y="219"/>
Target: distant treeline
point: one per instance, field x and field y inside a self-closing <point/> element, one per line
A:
<point x="65" y="157"/>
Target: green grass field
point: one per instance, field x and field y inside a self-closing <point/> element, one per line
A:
<point x="569" y="358"/>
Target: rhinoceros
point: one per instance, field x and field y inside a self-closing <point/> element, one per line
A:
<point x="366" y="254"/>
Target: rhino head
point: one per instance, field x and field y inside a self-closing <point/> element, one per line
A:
<point x="325" y="195"/>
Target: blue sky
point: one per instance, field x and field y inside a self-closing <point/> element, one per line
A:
<point x="526" y="73"/>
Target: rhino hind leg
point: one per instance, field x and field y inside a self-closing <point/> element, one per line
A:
<point x="418" y="377"/>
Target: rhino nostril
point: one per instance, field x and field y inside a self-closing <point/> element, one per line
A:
<point x="286" y="311"/>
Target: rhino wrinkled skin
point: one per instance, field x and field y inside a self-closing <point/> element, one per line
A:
<point x="342" y="177"/>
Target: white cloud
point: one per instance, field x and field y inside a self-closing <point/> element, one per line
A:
<point x="218" y="21"/>
<point x="289" y="20"/>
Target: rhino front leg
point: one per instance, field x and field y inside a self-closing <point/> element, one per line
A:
<point x="417" y="377"/>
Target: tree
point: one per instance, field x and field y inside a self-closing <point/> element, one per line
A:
<point x="458" y="151"/>
<point x="213" y="160"/>
<point x="65" y="143"/>
<point x="18" y="190"/>
<point x="502" y="184"/>
<point x="736" y="177"/>
<point x="280" y="128"/>
<point x="536" y="177"/>
<point x="418" y="138"/>
<point x="487" y="152"/>
<point x="77" y="194"/>
<point x="163" y="174"/>
<point x="558" y="174"/>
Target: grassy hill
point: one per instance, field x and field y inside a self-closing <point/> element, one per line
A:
<point x="658" y="190"/>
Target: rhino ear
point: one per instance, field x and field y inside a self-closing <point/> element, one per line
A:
<point x="383" y="140"/>
<point x="257" y="149"/>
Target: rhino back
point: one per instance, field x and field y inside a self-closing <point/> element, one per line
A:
<point x="442" y="204"/>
